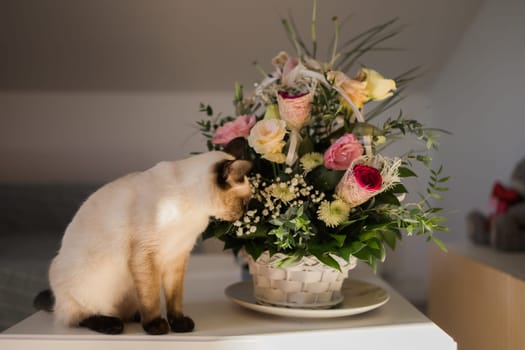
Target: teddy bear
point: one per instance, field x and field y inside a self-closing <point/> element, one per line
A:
<point x="504" y="228"/>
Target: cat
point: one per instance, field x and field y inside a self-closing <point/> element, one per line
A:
<point x="133" y="237"/>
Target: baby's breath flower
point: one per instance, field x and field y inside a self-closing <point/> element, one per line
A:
<point x="310" y="161"/>
<point x="240" y="232"/>
<point x="333" y="213"/>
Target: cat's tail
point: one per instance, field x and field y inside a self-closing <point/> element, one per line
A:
<point x="45" y="300"/>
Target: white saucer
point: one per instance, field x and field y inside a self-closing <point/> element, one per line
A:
<point x="359" y="297"/>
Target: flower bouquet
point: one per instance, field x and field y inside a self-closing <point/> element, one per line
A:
<point x="322" y="187"/>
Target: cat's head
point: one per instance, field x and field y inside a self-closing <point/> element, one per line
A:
<point x="232" y="188"/>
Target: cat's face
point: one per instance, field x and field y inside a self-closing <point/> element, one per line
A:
<point x="232" y="189"/>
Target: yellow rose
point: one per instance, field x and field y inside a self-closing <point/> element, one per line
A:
<point x="355" y="90"/>
<point x="377" y="86"/>
<point x="278" y="158"/>
<point x="267" y="138"/>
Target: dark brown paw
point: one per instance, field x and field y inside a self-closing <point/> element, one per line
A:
<point x="103" y="324"/>
<point x="181" y="324"/>
<point x="156" y="326"/>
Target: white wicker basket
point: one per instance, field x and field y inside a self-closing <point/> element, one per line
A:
<point x="306" y="284"/>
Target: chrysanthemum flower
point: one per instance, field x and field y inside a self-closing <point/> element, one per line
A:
<point x="333" y="213"/>
<point x="310" y="161"/>
<point x="283" y="192"/>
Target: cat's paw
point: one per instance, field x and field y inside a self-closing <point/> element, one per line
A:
<point x="181" y="323"/>
<point x="103" y="324"/>
<point x="156" y="326"/>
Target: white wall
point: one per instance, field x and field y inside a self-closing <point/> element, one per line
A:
<point x="480" y="96"/>
<point x="165" y="45"/>
<point x="87" y="137"/>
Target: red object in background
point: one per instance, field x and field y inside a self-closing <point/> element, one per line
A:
<point x="503" y="197"/>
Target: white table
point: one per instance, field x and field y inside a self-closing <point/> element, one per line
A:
<point x="221" y="324"/>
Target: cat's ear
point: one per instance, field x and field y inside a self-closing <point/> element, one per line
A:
<point x="238" y="169"/>
<point x="238" y="148"/>
<point x="230" y="172"/>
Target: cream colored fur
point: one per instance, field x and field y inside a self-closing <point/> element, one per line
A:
<point x="136" y="230"/>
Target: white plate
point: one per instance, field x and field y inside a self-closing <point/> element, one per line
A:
<point x="359" y="297"/>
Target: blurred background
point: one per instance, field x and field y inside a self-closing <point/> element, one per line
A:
<point x="91" y="90"/>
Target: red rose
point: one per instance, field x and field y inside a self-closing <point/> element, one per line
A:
<point x="368" y="177"/>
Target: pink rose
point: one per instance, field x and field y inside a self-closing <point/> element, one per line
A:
<point x="240" y="127"/>
<point x="368" y="177"/>
<point x="295" y="110"/>
<point x="342" y="152"/>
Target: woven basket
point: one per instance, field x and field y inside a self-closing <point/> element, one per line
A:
<point x="307" y="284"/>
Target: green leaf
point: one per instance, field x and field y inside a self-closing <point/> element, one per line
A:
<point x="325" y="180"/>
<point x="217" y="229"/>
<point x="288" y="261"/>
<point x="306" y="146"/>
<point x="254" y="249"/>
<point x="445" y="179"/>
<point x="368" y="255"/>
<point x="372" y="234"/>
<point x="406" y="172"/>
<point x="390" y="238"/>
<point x="363" y="253"/>
<point x="376" y="249"/>
<point x="439" y="243"/>
<point x="398" y="188"/>
<point x="327" y="260"/>
<point x="347" y="223"/>
<point x="387" y="198"/>
<point x="340" y="239"/>
<point x="353" y="249"/>
<point x="435" y="195"/>
<point x="373" y="243"/>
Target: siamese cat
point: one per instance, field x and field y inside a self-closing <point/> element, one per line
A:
<point x="133" y="237"/>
